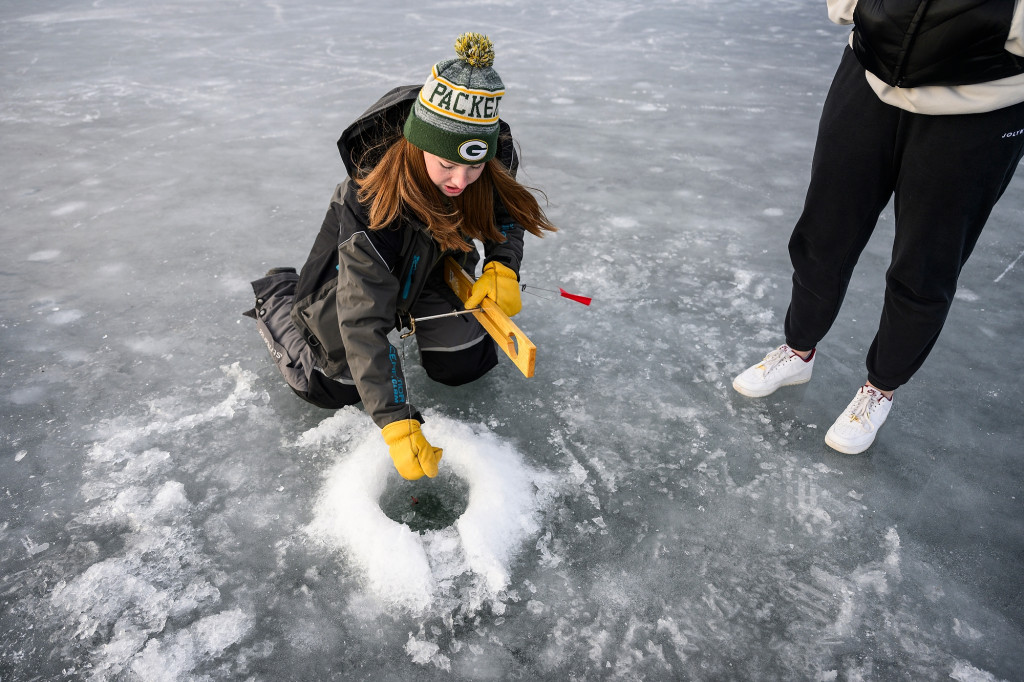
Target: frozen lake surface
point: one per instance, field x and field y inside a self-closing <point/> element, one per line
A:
<point x="170" y="511"/>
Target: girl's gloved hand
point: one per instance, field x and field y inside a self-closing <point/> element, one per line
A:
<point x="412" y="454"/>
<point x="500" y="284"/>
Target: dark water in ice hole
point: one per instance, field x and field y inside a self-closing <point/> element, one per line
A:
<point x="425" y="504"/>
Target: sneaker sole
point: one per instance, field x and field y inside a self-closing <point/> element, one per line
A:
<point x="846" y="449"/>
<point x="754" y="393"/>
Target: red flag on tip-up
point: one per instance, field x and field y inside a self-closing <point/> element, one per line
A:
<point x="585" y="300"/>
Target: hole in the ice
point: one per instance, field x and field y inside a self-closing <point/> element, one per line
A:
<point x="427" y="503"/>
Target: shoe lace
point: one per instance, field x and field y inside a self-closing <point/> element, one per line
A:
<point x="864" y="406"/>
<point x="776" y="358"/>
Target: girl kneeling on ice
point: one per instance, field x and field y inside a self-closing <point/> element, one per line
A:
<point x="430" y="169"/>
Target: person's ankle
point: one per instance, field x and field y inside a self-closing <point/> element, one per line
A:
<point x="887" y="394"/>
<point x="804" y="354"/>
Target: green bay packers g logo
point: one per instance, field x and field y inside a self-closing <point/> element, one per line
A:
<point x="473" y="150"/>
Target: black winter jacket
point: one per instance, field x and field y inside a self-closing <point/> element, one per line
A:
<point x="910" y="43"/>
<point x="358" y="284"/>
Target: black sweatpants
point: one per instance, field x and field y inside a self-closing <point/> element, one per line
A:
<point x="947" y="173"/>
<point x="453" y="350"/>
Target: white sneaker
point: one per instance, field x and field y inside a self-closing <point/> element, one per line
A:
<point x="781" y="367"/>
<point x="856" y="428"/>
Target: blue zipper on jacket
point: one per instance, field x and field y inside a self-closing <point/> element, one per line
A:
<point x="408" y="279"/>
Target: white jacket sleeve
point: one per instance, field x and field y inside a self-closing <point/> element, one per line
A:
<point x="841" y="11"/>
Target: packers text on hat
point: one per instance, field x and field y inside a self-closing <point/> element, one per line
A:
<point x="448" y="99"/>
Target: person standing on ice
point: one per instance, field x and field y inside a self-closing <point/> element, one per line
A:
<point x="927" y="104"/>
<point x="430" y="169"/>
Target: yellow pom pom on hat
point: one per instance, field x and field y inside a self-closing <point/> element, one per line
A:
<point x="455" y="115"/>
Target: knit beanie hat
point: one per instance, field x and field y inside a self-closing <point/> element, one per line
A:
<point x="456" y="114"/>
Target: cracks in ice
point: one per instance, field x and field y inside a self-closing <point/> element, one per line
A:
<point x="154" y="604"/>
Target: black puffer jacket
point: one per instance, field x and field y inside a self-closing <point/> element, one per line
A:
<point x="357" y="283"/>
<point x="910" y="43"/>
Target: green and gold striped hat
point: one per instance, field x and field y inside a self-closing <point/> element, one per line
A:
<point x="456" y="114"/>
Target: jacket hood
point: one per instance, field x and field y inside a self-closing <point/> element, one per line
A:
<point x="383" y="120"/>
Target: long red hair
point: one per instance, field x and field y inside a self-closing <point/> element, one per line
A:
<point x="399" y="182"/>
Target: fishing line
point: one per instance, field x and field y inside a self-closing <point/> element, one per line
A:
<point x="405" y="378"/>
<point x="546" y="298"/>
<point x="413" y="320"/>
<point x="585" y="300"/>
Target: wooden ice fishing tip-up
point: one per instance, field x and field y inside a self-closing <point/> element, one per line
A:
<point x="493" y="319"/>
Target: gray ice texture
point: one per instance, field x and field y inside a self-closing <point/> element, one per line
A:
<point x="170" y="511"/>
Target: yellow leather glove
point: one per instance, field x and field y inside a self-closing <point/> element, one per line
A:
<point x="412" y="454"/>
<point x="500" y="284"/>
